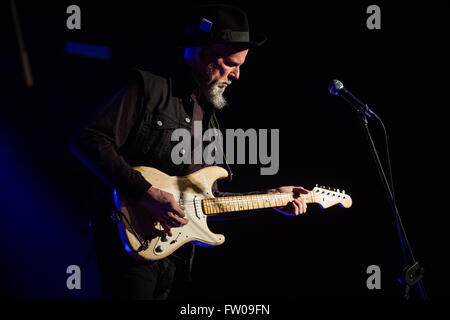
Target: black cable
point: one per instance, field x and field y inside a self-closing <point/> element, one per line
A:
<point x="143" y="243"/>
<point x="399" y="225"/>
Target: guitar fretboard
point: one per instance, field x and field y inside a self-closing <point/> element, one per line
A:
<point x="249" y="202"/>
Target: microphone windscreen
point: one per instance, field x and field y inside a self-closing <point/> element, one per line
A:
<point x="335" y="86"/>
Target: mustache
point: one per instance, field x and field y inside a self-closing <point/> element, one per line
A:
<point x="228" y="82"/>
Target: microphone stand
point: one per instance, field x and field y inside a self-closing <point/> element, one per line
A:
<point x="412" y="274"/>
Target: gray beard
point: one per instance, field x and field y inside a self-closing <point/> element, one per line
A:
<point x="214" y="95"/>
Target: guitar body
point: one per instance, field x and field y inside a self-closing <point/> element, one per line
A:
<point x="140" y="232"/>
<point x="188" y="192"/>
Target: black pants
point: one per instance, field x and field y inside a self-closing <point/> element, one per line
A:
<point x="121" y="276"/>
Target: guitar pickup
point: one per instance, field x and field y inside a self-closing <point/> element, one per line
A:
<point x="181" y="201"/>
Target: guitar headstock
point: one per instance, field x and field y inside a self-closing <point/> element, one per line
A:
<point x="327" y="197"/>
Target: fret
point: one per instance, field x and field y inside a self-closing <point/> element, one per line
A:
<point x="279" y="200"/>
<point x="288" y="198"/>
<point x="283" y="200"/>
<point x="210" y="206"/>
<point x="266" y="201"/>
<point x="255" y="201"/>
<point x="248" y="203"/>
<point x="213" y="207"/>
<point x="273" y="201"/>
<point x="245" y="201"/>
<point x="261" y="202"/>
<point x="237" y="203"/>
<point x="243" y="204"/>
<point x="216" y="207"/>
<point x="206" y="208"/>
<point x="231" y="203"/>
<point x="217" y="203"/>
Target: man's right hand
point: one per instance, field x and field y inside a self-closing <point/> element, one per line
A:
<point x="163" y="207"/>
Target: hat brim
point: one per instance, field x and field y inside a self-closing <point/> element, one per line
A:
<point x="256" y="40"/>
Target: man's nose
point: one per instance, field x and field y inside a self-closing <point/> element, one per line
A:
<point x="234" y="74"/>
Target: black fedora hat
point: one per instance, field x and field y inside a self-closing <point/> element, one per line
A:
<point x="219" y="23"/>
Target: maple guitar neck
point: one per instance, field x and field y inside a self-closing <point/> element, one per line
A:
<point x="219" y="205"/>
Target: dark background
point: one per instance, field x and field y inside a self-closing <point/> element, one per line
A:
<point x="47" y="195"/>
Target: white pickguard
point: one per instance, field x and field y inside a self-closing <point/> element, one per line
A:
<point x="195" y="230"/>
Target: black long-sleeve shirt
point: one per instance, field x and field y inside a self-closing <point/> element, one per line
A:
<point x="134" y="129"/>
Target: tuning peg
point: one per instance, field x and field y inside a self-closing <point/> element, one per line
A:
<point x="338" y="191"/>
<point x="343" y="191"/>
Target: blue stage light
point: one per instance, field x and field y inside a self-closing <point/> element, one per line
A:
<point x="88" y="50"/>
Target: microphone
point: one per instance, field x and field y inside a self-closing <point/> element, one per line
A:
<point x="337" y="88"/>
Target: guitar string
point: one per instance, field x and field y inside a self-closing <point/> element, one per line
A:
<point x="252" y="199"/>
<point x="239" y="204"/>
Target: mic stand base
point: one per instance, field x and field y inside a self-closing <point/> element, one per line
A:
<point x="411" y="276"/>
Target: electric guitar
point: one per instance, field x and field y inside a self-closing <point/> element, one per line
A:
<point x="136" y="226"/>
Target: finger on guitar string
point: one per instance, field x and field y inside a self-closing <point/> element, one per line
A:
<point x="156" y="232"/>
<point x="294" y="207"/>
<point x="166" y="223"/>
<point x="177" y="209"/>
<point x="166" y="228"/>
<point x="177" y="220"/>
<point x="301" y="203"/>
<point x="299" y="190"/>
